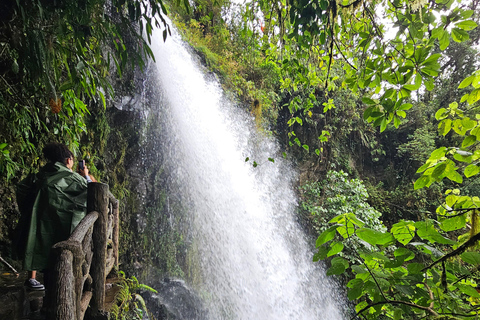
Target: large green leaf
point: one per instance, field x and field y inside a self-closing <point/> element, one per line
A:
<point x="326" y="236"/>
<point x="466" y="25"/>
<point x="339" y="265"/>
<point x="427" y="231"/>
<point x="374" y="237"/>
<point x="468" y="290"/>
<point x="403" y="231"/>
<point x="421" y="182"/>
<point x="471" y="170"/>
<point x="454" y="223"/>
<point x="471" y="257"/>
<point x="335" y="248"/>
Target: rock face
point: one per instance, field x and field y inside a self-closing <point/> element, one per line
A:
<point x="152" y="247"/>
<point x="177" y="299"/>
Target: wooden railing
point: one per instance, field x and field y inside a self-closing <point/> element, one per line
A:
<point x="82" y="263"/>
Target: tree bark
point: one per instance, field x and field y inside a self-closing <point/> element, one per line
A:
<point x="63" y="299"/>
<point x="97" y="200"/>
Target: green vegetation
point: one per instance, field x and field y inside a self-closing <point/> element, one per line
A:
<point x="398" y="113"/>
<point x="55" y="64"/>
<point x="332" y="68"/>
<point x="129" y="304"/>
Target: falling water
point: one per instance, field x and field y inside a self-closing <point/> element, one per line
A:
<point x="253" y="259"/>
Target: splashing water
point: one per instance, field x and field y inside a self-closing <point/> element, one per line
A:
<point x="253" y="259"/>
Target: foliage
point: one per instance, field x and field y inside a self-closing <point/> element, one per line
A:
<point x="129" y="304"/>
<point x="391" y="68"/>
<point x="413" y="280"/>
<point x="321" y="48"/>
<point x="231" y="49"/>
<point x="55" y="64"/>
<point x="338" y="194"/>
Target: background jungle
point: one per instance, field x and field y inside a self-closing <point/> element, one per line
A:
<point x="361" y="95"/>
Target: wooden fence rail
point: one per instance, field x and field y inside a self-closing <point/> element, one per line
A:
<point x="83" y="261"/>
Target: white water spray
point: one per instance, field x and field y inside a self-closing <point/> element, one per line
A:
<point x="253" y="258"/>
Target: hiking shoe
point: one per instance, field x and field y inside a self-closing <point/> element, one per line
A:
<point x="33" y="284"/>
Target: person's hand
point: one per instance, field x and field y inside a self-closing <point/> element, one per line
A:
<point x="83" y="172"/>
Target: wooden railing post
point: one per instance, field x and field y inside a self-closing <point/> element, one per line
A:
<point x="116" y="231"/>
<point x="97" y="200"/>
<point x="80" y="262"/>
<point x="62" y="298"/>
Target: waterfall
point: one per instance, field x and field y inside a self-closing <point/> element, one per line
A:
<point x="252" y="257"/>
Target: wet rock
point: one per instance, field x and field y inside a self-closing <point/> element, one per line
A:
<point x="175" y="300"/>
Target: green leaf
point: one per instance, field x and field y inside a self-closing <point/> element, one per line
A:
<point x="421" y="182"/>
<point x="474" y="96"/>
<point x="444" y="39"/>
<point x="398" y="314"/>
<point x="465" y="14"/>
<point x="361" y="305"/>
<point x="459" y="35"/>
<point x="405" y="106"/>
<point x="441" y="114"/>
<point x="326" y="236"/>
<point x="471" y="170"/>
<point x="438" y="153"/>
<point x="3" y="145"/>
<point x="417" y="83"/>
<point x="405" y="289"/>
<point x="374" y="237"/>
<point x="455" y="177"/>
<point x="339" y="265"/>
<point x="368" y="101"/>
<point x="415" y="268"/>
<point x="468" y="290"/>
<point x="359" y="269"/>
<point x="355" y="292"/>
<point x="445" y="126"/>
<point x="471" y="257"/>
<point x="468" y="123"/>
<point x="466" y="82"/>
<point x="335" y="248"/>
<point x="403" y="231"/>
<point x="396" y="121"/>
<point x="452" y="224"/>
<point x="462" y="158"/>
<point x="427" y="231"/>
<point x="383" y="124"/>
<point x="321" y="254"/>
<point x="439" y="169"/>
<point x="467" y="25"/>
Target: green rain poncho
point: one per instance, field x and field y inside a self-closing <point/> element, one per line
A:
<point x="59" y="203"/>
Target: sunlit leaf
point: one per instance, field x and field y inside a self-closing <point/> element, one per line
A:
<point x="466" y="82"/>
<point x="466" y="25"/>
<point x="335" y="248"/>
<point x="374" y="237"/>
<point x="326" y="236"/>
<point x="454" y="223"/>
<point x="403" y="231"/>
<point x="471" y="170"/>
<point x="421" y="182"/>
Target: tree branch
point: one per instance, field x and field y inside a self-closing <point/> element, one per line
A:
<point x="344" y="58"/>
<point x="413" y="305"/>
<point x="455" y="252"/>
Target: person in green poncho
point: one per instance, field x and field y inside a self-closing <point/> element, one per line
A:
<point x="52" y="203"/>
